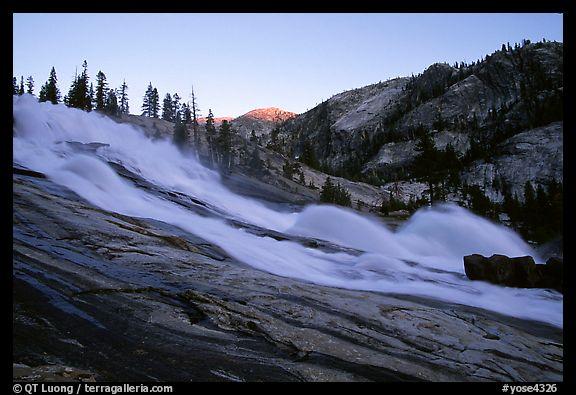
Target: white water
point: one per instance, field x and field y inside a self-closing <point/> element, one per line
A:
<point x="434" y="238"/>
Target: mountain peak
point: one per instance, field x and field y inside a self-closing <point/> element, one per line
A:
<point x="271" y="114"/>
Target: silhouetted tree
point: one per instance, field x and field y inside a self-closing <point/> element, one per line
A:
<point x="224" y="142"/>
<point x="154" y="104"/>
<point x="101" y="91"/>
<point x="168" y="108"/>
<point x="111" y="106"/>
<point x="211" y="136"/>
<point x="49" y="91"/>
<point x="21" y="88"/>
<point x="30" y="85"/>
<point x="426" y="162"/>
<point x="123" y="95"/>
<point x="147" y="101"/>
<point x="79" y="93"/>
<point x="176" y="115"/>
<point x="186" y="114"/>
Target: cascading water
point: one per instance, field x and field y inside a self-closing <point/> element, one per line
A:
<point x="423" y="257"/>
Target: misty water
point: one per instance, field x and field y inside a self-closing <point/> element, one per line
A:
<point x="422" y="257"/>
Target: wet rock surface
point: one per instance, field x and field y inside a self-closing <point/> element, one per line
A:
<point x="123" y="298"/>
<point x="521" y="272"/>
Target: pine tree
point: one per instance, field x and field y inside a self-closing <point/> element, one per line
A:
<point x="426" y="162"/>
<point x="155" y="103"/>
<point x="86" y="95"/>
<point x="224" y="142"/>
<point x="168" y="108"/>
<point x="123" y="93"/>
<point x="176" y="115"/>
<point x="288" y="169"/>
<point x="186" y="115"/>
<point x="101" y="91"/>
<point x="30" y="85"/>
<point x="327" y="193"/>
<point x="342" y="197"/>
<point x="211" y="136"/>
<point x="51" y="91"/>
<point x="308" y="157"/>
<point x="90" y="102"/>
<point x="146" y="101"/>
<point x="14" y="86"/>
<point x="111" y="105"/>
<point x="21" y="89"/>
<point x="180" y="136"/>
<point x="42" y="94"/>
<point x="79" y="95"/>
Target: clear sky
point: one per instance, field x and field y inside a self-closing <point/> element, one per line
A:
<point x="239" y="62"/>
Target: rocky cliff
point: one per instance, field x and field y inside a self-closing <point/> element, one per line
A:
<point x="511" y="99"/>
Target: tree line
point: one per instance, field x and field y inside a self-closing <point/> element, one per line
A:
<point x="81" y="93"/>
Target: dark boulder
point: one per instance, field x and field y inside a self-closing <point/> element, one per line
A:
<point x="521" y="272"/>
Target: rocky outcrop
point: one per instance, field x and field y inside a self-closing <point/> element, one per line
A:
<point x="535" y="155"/>
<point x="512" y="97"/>
<point x="520" y="272"/>
<point x="124" y="298"/>
<point x="48" y="373"/>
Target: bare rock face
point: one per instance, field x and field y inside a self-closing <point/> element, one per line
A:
<point x="371" y="130"/>
<point x="535" y="155"/>
<point x="520" y="272"/>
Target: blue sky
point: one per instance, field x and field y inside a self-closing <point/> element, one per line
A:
<point x="238" y="62"/>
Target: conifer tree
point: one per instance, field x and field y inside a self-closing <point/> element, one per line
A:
<point x="288" y="169"/>
<point x="51" y="91"/>
<point x="168" y="108"/>
<point x="14" y="86"/>
<point x="79" y="95"/>
<point x="224" y="142"/>
<point x="90" y="101"/>
<point x="180" y="136"/>
<point x="30" y="85"/>
<point x="186" y="114"/>
<point x="101" y="91"/>
<point x="154" y="104"/>
<point x="308" y="157"/>
<point x="146" y="101"/>
<point x="111" y="106"/>
<point x="211" y="136"/>
<point x="327" y="192"/>
<point x="42" y="94"/>
<point x="176" y="115"/>
<point x="123" y="96"/>
<point x="426" y="162"/>
<point x="21" y="89"/>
